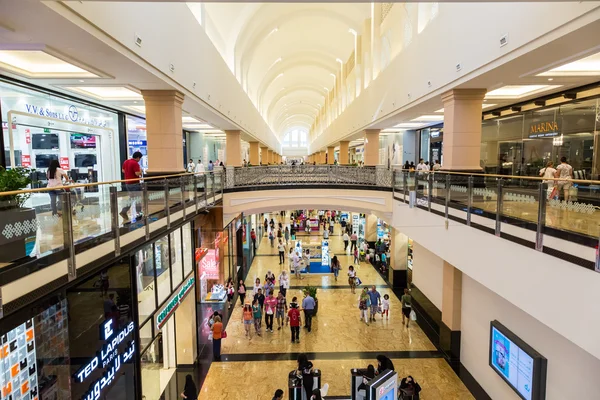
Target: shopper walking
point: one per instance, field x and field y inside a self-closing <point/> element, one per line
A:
<point x="217" y="330"/>
<point x="565" y="172"/>
<point x="257" y="286"/>
<point x="281" y="310"/>
<point x="190" y="392"/>
<point x="270" y="276"/>
<point x="247" y="320"/>
<point x="548" y="173"/>
<point x="345" y="238"/>
<point x="281" y="250"/>
<point x="271" y="238"/>
<point x="375" y="298"/>
<point x="353" y="240"/>
<point x="308" y="305"/>
<point x="270" y="308"/>
<point x="191" y="167"/>
<point x="284" y="282"/>
<point x="406" y="307"/>
<point x="132" y="172"/>
<point x="260" y="297"/>
<point x="229" y="287"/>
<point x="286" y="235"/>
<point x="352" y="278"/>
<point x="278" y="395"/>
<point x="291" y="258"/>
<point x="294" y="320"/>
<point x="356" y="259"/>
<point x="257" y="314"/>
<point x="363" y="305"/>
<point x="385" y="306"/>
<point x="335" y="267"/>
<point x="296" y="261"/>
<point x="253" y="238"/>
<point x="242" y="292"/>
<point x="55" y="176"/>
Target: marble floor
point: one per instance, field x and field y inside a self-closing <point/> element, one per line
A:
<point x="253" y="368"/>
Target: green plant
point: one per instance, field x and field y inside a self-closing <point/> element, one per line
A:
<point x="12" y="180"/>
<point x="311" y="290"/>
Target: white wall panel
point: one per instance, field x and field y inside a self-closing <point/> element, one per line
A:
<point x="428" y="270"/>
<point x="572" y="372"/>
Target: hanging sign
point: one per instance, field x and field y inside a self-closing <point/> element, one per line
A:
<point x="173" y="303"/>
<point x="64" y="163"/>
<point x="25" y="160"/>
<point x="27" y="136"/>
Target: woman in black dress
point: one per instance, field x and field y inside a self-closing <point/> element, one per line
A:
<point x="305" y="368"/>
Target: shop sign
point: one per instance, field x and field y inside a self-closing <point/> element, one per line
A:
<point x="200" y="252"/>
<point x="355" y="219"/>
<point x="25" y="160"/>
<point x="173" y="303"/>
<point x="209" y="269"/>
<point x="108" y="358"/>
<point x="27" y="136"/>
<point x="64" y="163"/>
<point x="544" y="129"/>
<point x="137" y="142"/>
<point x="71" y="113"/>
<point x="325" y="252"/>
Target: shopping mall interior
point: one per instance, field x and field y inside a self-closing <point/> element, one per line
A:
<point x="299" y="200"/>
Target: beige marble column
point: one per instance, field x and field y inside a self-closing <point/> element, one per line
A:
<point x="254" y="154"/>
<point x="399" y="258"/>
<point x="164" y="131"/>
<point x="372" y="147"/>
<point x="323" y="158"/>
<point x="269" y="157"/>
<point x="462" y="129"/>
<point x="330" y="155"/>
<point x="451" y="297"/>
<point x="264" y="155"/>
<point x="344" y="152"/>
<point x="233" y="148"/>
<point x="371" y="228"/>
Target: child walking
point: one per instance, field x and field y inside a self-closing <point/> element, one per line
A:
<point x="385" y="306"/>
<point x="247" y="319"/>
<point x="356" y="260"/>
<point x="257" y="313"/>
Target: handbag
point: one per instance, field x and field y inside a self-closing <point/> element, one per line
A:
<point x="413" y="315"/>
<point x="224" y="335"/>
<point x="357" y="281"/>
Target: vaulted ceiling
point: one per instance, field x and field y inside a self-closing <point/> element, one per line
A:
<point x="285" y="54"/>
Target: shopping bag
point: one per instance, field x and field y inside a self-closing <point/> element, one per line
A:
<point x="210" y="336"/>
<point x="224" y="334"/>
<point x="357" y="281"/>
<point x="553" y="193"/>
<point x="379" y="310"/>
<point x="413" y="315"/>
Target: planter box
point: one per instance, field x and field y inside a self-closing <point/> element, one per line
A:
<point x="16" y="225"/>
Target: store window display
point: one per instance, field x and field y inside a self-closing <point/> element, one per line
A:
<point x="43" y="127"/>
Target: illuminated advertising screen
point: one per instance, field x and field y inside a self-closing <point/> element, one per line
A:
<point x="517" y="363"/>
<point x="18" y="363"/>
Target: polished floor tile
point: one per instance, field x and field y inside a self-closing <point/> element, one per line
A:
<point x="259" y="380"/>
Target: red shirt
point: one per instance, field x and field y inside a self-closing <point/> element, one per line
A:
<point x="130" y="167"/>
<point x="294" y="315"/>
<point x="252" y="235"/>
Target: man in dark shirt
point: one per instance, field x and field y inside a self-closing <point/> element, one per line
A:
<point x="132" y="171"/>
<point x="260" y="297"/>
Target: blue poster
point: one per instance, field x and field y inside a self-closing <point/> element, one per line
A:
<point x="501" y="353"/>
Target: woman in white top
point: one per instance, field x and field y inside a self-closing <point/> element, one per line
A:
<point x="548" y="174"/>
<point x="284" y="282"/>
<point x="55" y="179"/>
<point x="257" y="286"/>
<point x="352" y="278"/>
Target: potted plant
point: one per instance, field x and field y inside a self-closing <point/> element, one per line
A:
<point x="312" y="291"/>
<point x="17" y="223"/>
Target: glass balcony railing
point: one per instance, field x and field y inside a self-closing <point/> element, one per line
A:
<point x="528" y="210"/>
<point x="62" y="222"/>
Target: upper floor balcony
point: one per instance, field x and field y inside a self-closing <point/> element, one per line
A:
<point x="66" y="228"/>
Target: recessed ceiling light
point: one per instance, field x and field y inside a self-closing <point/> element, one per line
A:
<point x="106" y="92"/>
<point x="517" y="91"/>
<point x="198" y="126"/>
<point x="187" y="118"/>
<point x="409" y="125"/>
<point x="39" y="64"/>
<point x="429" y="118"/>
<point x="483" y="107"/>
<point x="588" y="66"/>
<point x="550" y="79"/>
<point x="81" y="81"/>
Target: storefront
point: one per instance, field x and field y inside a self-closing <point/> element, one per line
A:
<point x="166" y="308"/>
<point x="78" y="343"/>
<point x="430" y="146"/>
<point x="137" y="139"/>
<point x="523" y="143"/>
<point x="38" y="128"/>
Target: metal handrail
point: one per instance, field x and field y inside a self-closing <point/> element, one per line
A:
<point x="80" y="185"/>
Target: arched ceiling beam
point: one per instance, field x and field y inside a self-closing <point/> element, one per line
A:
<point x="298" y="110"/>
<point x="319" y="90"/>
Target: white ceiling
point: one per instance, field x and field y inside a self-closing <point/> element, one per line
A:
<point x="302" y="41"/>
